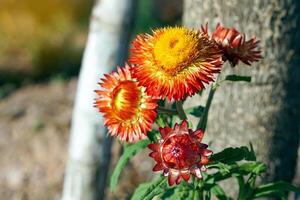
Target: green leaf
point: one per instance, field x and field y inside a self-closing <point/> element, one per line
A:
<point x="170" y="193"/>
<point x="196" y="111"/>
<point x="160" y="121"/>
<point x="219" y="192"/>
<point x="241" y="182"/>
<point x="276" y="189"/>
<point x="193" y="195"/>
<point x="223" y="168"/>
<point x="153" y="135"/>
<point x="128" y="153"/>
<point x="177" y="193"/>
<point x="207" y="195"/>
<point x="238" y="78"/>
<point x="253" y="167"/>
<point x="252" y="153"/>
<point x="147" y="191"/>
<point x="230" y="155"/>
<point x="234" y="170"/>
<point x="142" y="188"/>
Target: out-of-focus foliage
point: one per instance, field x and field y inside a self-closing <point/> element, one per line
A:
<point x="157" y="13"/>
<point x="41" y="38"/>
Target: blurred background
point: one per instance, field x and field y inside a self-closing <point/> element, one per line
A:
<point x="41" y="50"/>
<point x="41" y="47"/>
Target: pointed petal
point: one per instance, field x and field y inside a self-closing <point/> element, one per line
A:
<point x="158" y="167"/>
<point x="185" y="176"/>
<point x="171" y="179"/>
<point x="206" y="152"/>
<point x="204" y="160"/>
<point x="154" y="147"/>
<point x="199" y="134"/>
<point x="197" y="172"/>
<point x="184" y="125"/>
<point x="178" y="180"/>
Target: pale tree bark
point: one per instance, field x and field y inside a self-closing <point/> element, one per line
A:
<point x="89" y="151"/>
<point x="265" y="112"/>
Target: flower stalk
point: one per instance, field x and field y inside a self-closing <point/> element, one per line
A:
<point x="162" y="110"/>
<point x="203" y="120"/>
<point x="180" y="110"/>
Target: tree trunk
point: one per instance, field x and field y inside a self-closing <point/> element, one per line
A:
<point x="106" y="47"/>
<point x="265" y="112"/>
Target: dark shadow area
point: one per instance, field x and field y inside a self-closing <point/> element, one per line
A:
<point x="284" y="150"/>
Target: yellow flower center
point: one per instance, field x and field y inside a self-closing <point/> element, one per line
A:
<point x="126" y="99"/>
<point x="175" y="48"/>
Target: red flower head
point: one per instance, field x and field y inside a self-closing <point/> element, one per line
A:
<point x="234" y="45"/>
<point x="174" y="62"/>
<point x="128" y="111"/>
<point x="180" y="153"/>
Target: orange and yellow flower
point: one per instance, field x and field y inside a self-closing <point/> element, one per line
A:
<point x="174" y="62"/>
<point x="128" y="111"/>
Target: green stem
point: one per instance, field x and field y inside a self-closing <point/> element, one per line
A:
<point x="200" y="184"/>
<point x="180" y="110"/>
<point x="203" y="121"/>
<point x="201" y="195"/>
<point x="160" y="121"/>
<point x="163" y="110"/>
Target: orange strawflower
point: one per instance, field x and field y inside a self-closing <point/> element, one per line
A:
<point x="128" y="111"/>
<point x="180" y="153"/>
<point x="234" y="45"/>
<point x="174" y="62"/>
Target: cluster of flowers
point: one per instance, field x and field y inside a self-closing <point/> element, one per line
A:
<point x="172" y="63"/>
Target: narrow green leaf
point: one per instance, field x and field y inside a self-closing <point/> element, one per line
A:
<point x="234" y="169"/>
<point x="140" y="190"/>
<point x="147" y="191"/>
<point x="252" y="151"/>
<point x="253" y="167"/>
<point x="196" y="111"/>
<point x="273" y="189"/>
<point x="153" y="135"/>
<point x="223" y="168"/>
<point x="238" y="78"/>
<point x="180" y="193"/>
<point x="160" y="121"/>
<point x="128" y="153"/>
<point x="284" y="198"/>
<point x="207" y="195"/>
<point x="219" y="192"/>
<point x="194" y="195"/>
<point x="241" y="182"/>
<point x="170" y="193"/>
<point x="230" y="155"/>
<point x="277" y="194"/>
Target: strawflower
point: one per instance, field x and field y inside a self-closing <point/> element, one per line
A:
<point x="180" y="153"/>
<point x="128" y="111"/>
<point x="174" y="62"/>
<point x="234" y="45"/>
